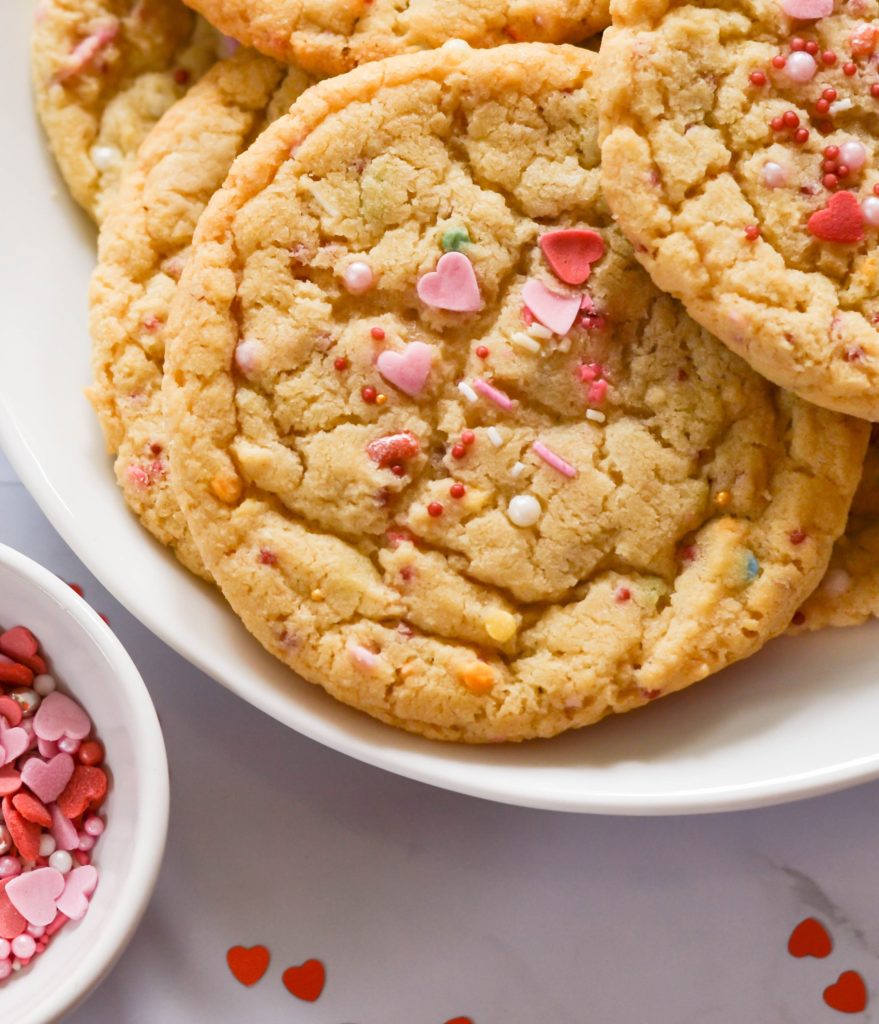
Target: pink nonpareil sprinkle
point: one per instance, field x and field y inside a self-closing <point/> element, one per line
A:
<point x="362" y="656"/>
<point x="556" y="461"/>
<point x="86" y="51"/>
<point x="493" y="394"/>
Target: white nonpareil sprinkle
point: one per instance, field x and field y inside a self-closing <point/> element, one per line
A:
<point x="103" y="157"/>
<point x="595" y="416"/>
<point x="467" y="391"/>
<point x="517" y="470"/>
<point x="524" y="510"/>
<point x="494" y="435"/>
<point x="521" y="340"/>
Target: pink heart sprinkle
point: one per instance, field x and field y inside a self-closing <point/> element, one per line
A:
<point x="47" y="779"/>
<point x="59" y="716"/>
<point x="63" y="830"/>
<point x="78" y="886"/>
<point x="557" y="312"/>
<point x="407" y="370"/>
<point x="47" y="748"/>
<point x="807" y="10"/>
<point x="14" y="742"/>
<point x="33" y="894"/>
<point x="452" y="285"/>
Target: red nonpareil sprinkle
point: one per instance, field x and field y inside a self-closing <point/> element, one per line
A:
<point x="779" y="61"/>
<point x="874" y="90"/>
<point x="457" y="490"/>
<point x="828" y="58"/>
<point x="341" y="364"/>
<point x="393" y="448"/>
<point x="458" y="451"/>
<point x="797" y="536"/>
<point x="777" y="123"/>
<point x="822" y="106"/>
<point x="757" y="78"/>
<point x="90" y="753"/>
<point x="435" y="510"/>
<point x="368" y="394"/>
<point x="482" y="351"/>
<point x="830" y="182"/>
<point x="876" y="189"/>
<point x="829" y="94"/>
<point x="850" y="69"/>
<point x="797" y="44"/>
<point x="752" y="232"/>
<point x="812" y="48"/>
<point x="842" y="171"/>
<point x="790" y="119"/>
<point x="468" y="437"/>
<point x="267" y="557"/>
<point x="622" y="594"/>
<point x="398" y="470"/>
<point x="801" y="136"/>
<point x="378" y="333"/>
<point x="831" y="152"/>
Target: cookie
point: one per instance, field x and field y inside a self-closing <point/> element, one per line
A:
<point x="443" y="445"/>
<point x="104" y="72"/>
<point x="328" y="37"/>
<point x="741" y="159"/>
<point x="143" y="247"/>
<point x="849" y="593"/>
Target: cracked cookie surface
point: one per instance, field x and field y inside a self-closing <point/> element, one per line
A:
<point x="463" y="495"/>
<point x="104" y="72"/>
<point x="740" y="156"/>
<point x="143" y="246"/>
<point x="332" y="36"/>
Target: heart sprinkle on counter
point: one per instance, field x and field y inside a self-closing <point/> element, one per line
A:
<point x="51" y="785"/>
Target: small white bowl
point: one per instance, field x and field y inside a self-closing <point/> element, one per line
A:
<point x="92" y="666"/>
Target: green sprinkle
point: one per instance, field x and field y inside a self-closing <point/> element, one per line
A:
<point x="455" y="239"/>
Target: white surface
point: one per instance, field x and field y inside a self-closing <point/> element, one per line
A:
<point x="797" y="719"/>
<point x="425" y="905"/>
<point x="91" y="665"/>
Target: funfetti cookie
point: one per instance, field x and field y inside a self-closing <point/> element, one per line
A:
<point x="331" y="36"/>
<point x="849" y="592"/>
<point x="144" y="244"/>
<point x="741" y="158"/>
<point x="104" y="72"/>
<point x="444" y="446"/>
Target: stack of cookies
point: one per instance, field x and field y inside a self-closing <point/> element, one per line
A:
<point x="498" y="383"/>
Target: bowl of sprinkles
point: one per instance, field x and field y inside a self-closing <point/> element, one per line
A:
<point x="83" y="794"/>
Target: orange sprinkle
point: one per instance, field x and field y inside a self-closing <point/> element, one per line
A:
<point x="477" y="677"/>
<point x="226" y="488"/>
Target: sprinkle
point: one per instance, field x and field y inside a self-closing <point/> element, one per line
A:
<point x="377" y="333"/>
<point x="595" y="416"/>
<point x="757" y="78"/>
<point x="104" y="157"/>
<point x="317" y="595"/>
<point x="341" y="364"/>
<point x="836" y="582"/>
<point x="853" y="155"/>
<point x="622" y="594"/>
<point x="267" y="557"/>
<point x="597" y="392"/>
<point x="362" y="656"/>
<point x="797" y="537"/>
<point x="870" y="206"/>
<point x="494" y="435"/>
<point x="247" y="354"/>
<point x="468" y="437"/>
<point x="751" y="567"/>
<point x="393" y="448"/>
<point x="455" y="239"/>
<point x="556" y="461"/>
<point x="468" y="392"/>
<point x="801" y="67"/>
<point x="368" y="394"/>
<point x="564" y="345"/>
<point x="482" y="351"/>
<point x="380" y="399"/>
<point x="774" y="175"/>
<point x="517" y="470"/>
<point x="539" y="332"/>
<point x="226" y="488"/>
<point x="435" y="509"/>
<point x="493" y="394"/>
<point x="850" y="69"/>
<point x="358" y="277"/>
<point x="722" y="499"/>
<point x="557" y="312"/>
<point x="457" y="490"/>
<point x="841" y="106"/>
<point x="521" y="340"/>
<point x="752" y="232"/>
<point x="524" y="510"/>
<point x="458" y="451"/>
<point x="477" y="677"/>
<point x="500" y="625"/>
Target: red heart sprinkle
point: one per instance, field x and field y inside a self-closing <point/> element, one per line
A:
<point x="18" y="643"/>
<point x="459" y="1020"/>
<point x="12" y="923"/>
<point x="305" y="981"/>
<point x="570" y="252"/>
<point x="848" y="995"/>
<point x="248" y="963"/>
<point x="10" y="781"/>
<point x="32" y="809"/>
<point x="810" y="938"/>
<point x="87" y="788"/>
<point x="11" y="710"/>
<point x="842" y="220"/>
<point x="393" y="448"/>
<point x="25" y="834"/>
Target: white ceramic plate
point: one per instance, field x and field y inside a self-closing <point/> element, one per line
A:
<point x="797" y="720"/>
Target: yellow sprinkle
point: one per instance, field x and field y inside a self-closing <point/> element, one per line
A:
<point x="722" y="499"/>
<point x="317" y="595"/>
<point x="380" y="399"/>
<point x="226" y="488"/>
<point x="499" y="625"/>
<point x="477" y="677"/>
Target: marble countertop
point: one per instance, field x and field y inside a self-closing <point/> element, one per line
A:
<point x="425" y="906"/>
